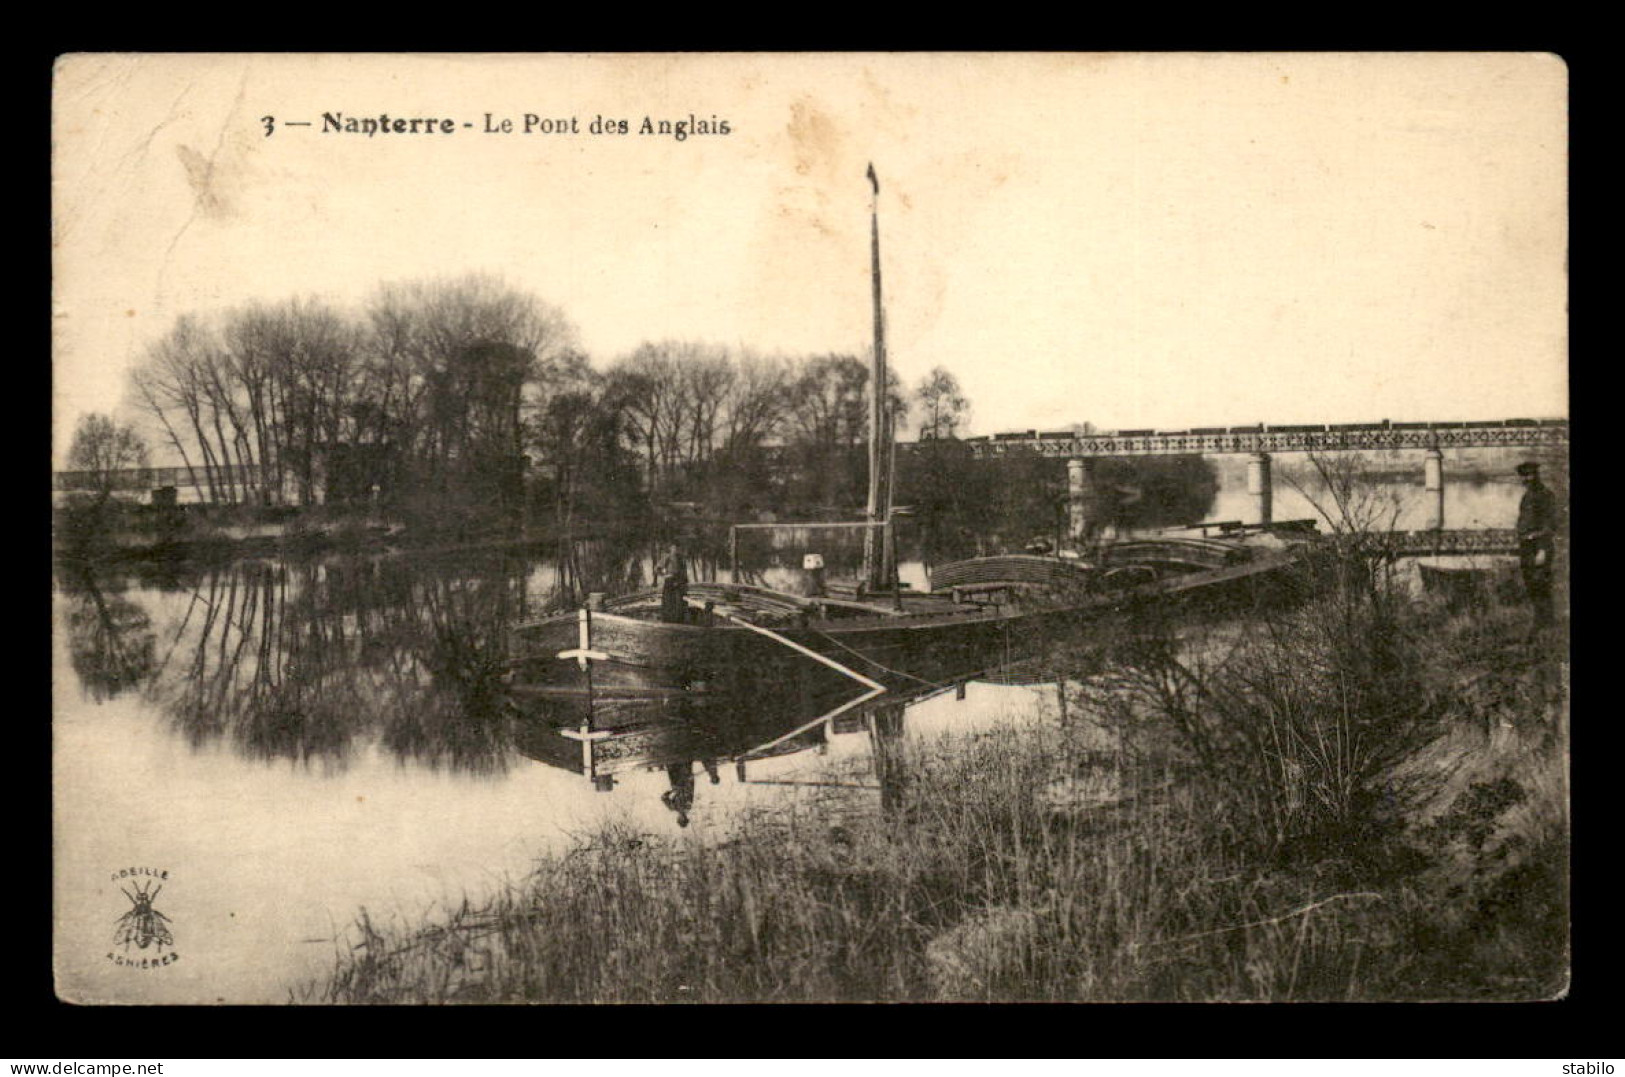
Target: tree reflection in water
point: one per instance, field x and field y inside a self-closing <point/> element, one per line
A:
<point x="111" y="642"/>
<point x="317" y="661"/>
<point x="309" y="662"/>
<point x="313" y="662"/>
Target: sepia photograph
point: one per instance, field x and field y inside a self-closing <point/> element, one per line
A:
<point x="810" y="527"/>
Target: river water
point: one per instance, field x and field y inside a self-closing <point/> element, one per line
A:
<point x="1401" y="504"/>
<point x="267" y="748"/>
<point x="256" y="752"/>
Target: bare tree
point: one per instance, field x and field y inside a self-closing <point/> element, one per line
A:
<point x="943" y="406"/>
<point x="435" y="382"/>
<point x="1361" y="513"/>
<point x="672" y="396"/>
<point x="103" y="450"/>
<point x="757" y="402"/>
<point x="168" y="385"/>
<point x="578" y="435"/>
<point x="708" y="376"/>
<point x="828" y="407"/>
<point x="640" y="388"/>
<point x="1346" y="495"/>
<point x="457" y="364"/>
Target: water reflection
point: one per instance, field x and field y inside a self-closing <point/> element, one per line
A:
<point x="698" y="739"/>
<point x="308" y="661"/>
<point x="110" y="640"/>
<point x="314" y="662"/>
<point x="1399" y="502"/>
<point x="680" y="797"/>
<point x="739" y="718"/>
<point x="342" y="728"/>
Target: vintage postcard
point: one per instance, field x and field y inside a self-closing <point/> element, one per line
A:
<point x="810" y="527"/>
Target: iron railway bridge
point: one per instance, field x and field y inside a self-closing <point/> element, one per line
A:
<point x="1080" y="450"/>
<point x="1345" y="437"/>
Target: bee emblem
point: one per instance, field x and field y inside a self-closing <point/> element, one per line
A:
<point x="143" y="925"/>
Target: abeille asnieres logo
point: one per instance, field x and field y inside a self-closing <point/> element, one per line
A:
<point x="142" y="926"/>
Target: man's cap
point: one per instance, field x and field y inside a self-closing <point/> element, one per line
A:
<point x="1529" y="467"/>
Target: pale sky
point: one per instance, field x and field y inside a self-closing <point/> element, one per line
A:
<point x="1132" y="240"/>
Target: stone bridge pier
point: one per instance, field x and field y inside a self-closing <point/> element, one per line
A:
<point x="1080" y="481"/>
<point x="1080" y="486"/>
<point x="1433" y="483"/>
<point x="1261" y="484"/>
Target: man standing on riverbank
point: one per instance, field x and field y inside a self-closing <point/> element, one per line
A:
<point x="1537" y="541"/>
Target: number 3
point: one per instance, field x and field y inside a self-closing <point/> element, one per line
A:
<point x="270" y="124"/>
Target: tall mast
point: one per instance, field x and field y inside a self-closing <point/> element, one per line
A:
<point x="875" y="574"/>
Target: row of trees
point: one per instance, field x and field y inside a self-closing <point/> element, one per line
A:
<point x="467" y="396"/>
<point x="426" y="387"/>
<point x="465" y="403"/>
<point x="744" y="431"/>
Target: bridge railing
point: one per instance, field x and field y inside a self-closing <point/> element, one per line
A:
<point x="148" y="478"/>
<point x="1512" y="433"/>
<point x="1451" y="542"/>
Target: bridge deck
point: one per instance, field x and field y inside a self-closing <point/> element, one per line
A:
<point x="1447" y="542"/>
<point x="1505" y="433"/>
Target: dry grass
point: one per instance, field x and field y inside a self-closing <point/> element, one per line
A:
<point x="1308" y="811"/>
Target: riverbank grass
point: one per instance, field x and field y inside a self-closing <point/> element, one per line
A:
<point x="1263" y="850"/>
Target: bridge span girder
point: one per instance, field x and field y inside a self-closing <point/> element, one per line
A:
<point x="1450" y="542"/>
<point x="1434" y="436"/>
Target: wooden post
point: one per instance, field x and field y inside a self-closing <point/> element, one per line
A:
<point x="886" y="738"/>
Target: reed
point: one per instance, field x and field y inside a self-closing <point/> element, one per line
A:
<point x="1239" y="840"/>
